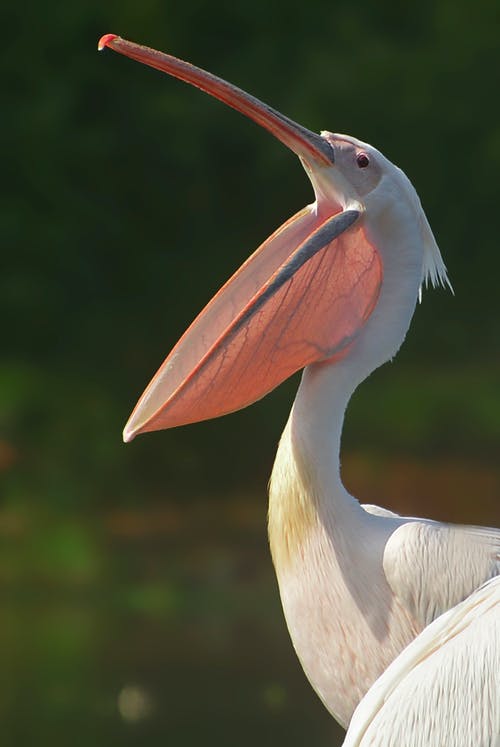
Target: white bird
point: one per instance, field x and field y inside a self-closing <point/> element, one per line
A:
<point x="332" y="291"/>
<point x="443" y="690"/>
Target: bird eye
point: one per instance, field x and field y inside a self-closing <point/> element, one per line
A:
<point x="362" y="160"/>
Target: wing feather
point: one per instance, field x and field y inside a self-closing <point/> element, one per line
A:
<point x="444" y="688"/>
<point x="370" y="508"/>
<point x="431" y="567"/>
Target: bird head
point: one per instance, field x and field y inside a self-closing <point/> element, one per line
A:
<point x="305" y="295"/>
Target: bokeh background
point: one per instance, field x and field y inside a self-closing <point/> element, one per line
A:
<point x="138" y="602"/>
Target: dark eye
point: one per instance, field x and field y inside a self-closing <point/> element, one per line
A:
<point x="362" y="160"/>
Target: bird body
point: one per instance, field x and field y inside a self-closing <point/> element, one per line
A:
<point x="443" y="689"/>
<point x="332" y="292"/>
<point x="345" y="627"/>
<point x="348" y="626"/>
<point x="357" y="583"/>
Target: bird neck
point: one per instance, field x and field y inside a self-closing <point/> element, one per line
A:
<point x="306" y="489"/>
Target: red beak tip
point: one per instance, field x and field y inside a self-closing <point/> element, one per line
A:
<point x="105" y="41"/>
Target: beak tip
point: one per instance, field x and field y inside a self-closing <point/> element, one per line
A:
<point x="105" y="41"/>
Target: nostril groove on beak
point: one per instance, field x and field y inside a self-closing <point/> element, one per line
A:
<point x="330" y="152"/>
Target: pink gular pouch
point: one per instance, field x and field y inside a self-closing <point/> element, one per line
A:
<point x="301" y="298"/>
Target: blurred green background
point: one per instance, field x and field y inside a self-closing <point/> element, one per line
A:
<point x="138" y="602"/>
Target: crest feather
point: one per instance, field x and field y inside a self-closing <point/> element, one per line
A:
<point x="434" y="271"/>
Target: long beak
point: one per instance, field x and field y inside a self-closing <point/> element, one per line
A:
<point x="301" y="298"/>
<point x="303" y="142"/>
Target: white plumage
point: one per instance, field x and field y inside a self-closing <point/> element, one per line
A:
<point x="443" y="690"/>
<point x="358" y="584"/>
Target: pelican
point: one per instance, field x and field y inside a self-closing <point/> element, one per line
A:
<point x="444" y="688"/>
<point x="331" y="292"/>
